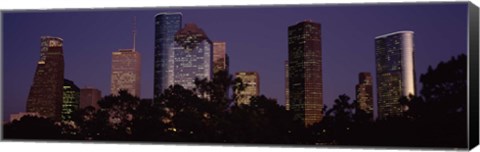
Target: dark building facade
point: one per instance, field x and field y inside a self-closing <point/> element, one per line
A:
<point x="287" y="92"/>
<point x="46" y="92"/>
<point x="166" y="25"/>
<point x="364" y="93"/>
<point x="305" y="71"/>
<point x="90" y="97"/>
<point x="394" y="54"/>
<point x="71" y="99"/>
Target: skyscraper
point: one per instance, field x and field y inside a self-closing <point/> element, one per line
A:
<point x="192" y="56"/>
<point x="125" y="71"/>
<point x="287" y="92"/>
<point x="90" y="97"/>
<point x="126" y="66"/>
<point x="166" y="25"/>
<point x="45" y="97"/>
<point x="71" y="99"/>
<point x="219" y="56"/>
<point x="364" y="92"/>
<point x="395" y="71"/>
<point x="305" y="71"/>
<point x="252" y="88"/>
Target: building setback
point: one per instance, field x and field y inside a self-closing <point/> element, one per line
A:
<point x="71" y="99"/>
<point x="45" y="96"/>
<point x="394" y="54"/>
<point x="166" y="25"/>
<point x="305" y="71"/>
<point x="193" y="54"/>
<point x="364" y="93"/>
<point x="90" y="97"/>
<point x="251" y="80"/>
<point x="125" y="72"/>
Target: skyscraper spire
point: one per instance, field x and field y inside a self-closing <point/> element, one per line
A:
<point x="134" y="31"/>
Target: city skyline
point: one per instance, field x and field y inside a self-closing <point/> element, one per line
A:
<point x="271" y="71"/>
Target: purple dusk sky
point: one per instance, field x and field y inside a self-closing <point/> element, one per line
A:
<point x="256" y="40"/>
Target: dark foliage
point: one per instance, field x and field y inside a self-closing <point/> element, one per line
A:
<point x="32" y="127"/>
<point x="206" y="114"/>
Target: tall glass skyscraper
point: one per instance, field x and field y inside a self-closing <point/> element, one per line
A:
<point x="45" y="97"/>
<point x="193" y="56"/>
<point x="71" y="99"/>
<point x="305" y="71"/>
<point x="394" y="55"/>
<point x="166" y="25"/>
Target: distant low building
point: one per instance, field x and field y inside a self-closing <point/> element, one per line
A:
<point x="364" y="92"/>
<point x="18" y="116"/>
<point x="90" y="97"/>
<point x="71" y="99"/>
<point x="251" y="80"/>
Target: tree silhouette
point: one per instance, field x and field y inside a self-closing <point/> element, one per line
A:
<point x="32" y="127"/>
<point x="206" y="113"/>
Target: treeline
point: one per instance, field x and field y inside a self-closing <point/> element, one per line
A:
<point x="207" y="114"/>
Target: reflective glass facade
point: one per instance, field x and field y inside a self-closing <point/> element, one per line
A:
<point x="71" y="99"/>
<point x="166" y="25"/>
<point x="45" y="96"/>
<point x="394" y="53"/>
<point x="305" y="71"/>
<point x="193" y="55"/>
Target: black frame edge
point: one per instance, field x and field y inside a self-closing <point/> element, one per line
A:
<point x="473" y="81"/>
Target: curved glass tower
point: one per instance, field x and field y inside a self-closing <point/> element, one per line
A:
<point x="166" y="25"/>
<point x="394" y="54"/>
